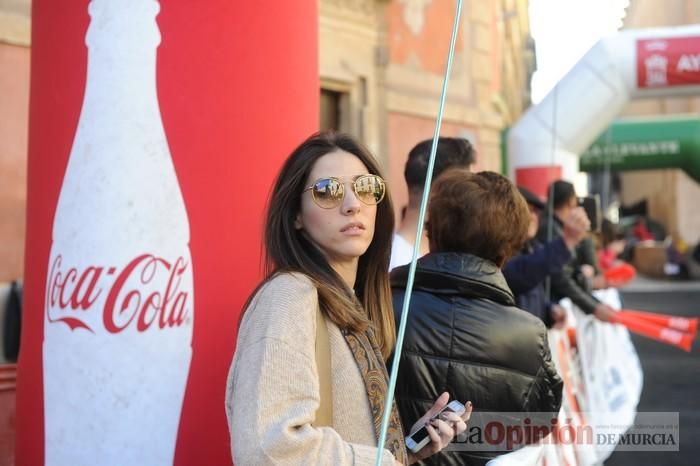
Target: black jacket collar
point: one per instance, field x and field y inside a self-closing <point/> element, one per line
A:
<point x="456" y="273"/>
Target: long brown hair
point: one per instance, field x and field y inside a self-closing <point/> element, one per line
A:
<point x="288" y="250"/>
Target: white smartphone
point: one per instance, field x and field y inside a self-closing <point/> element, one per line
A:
<point x="421" y="438"/>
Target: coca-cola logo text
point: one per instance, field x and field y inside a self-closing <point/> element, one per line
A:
<point x="72" y="293"/>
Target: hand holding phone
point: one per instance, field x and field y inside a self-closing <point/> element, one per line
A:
<point x="420" y="438"/>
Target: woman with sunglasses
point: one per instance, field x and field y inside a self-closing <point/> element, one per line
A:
<point x="328" y="234"/>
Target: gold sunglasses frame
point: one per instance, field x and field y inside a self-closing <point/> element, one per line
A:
<point x="354" y="189"/>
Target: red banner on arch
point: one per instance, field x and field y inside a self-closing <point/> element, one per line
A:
<point x="668" y="62"/>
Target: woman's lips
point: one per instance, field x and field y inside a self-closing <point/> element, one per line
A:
<point x="353" y="229"/>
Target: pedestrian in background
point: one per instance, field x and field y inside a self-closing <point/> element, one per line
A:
<point x="527" y="272"/>
<point x="450" y="153"/>
<point x="570" y="281"/>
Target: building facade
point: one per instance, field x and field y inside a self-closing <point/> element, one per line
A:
<point x="14" y="94"/>
<point x="382" y="65"/>
<point x="672" y="196"/>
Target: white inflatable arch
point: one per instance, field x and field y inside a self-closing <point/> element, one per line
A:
<point x="546" y="142"/>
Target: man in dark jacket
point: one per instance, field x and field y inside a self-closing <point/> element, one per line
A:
<point x="464" y="333"/>
<point x="568" y="283"/>
<point x="526" y="273"/>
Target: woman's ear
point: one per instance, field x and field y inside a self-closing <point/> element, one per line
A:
<point x="297" y="222"/>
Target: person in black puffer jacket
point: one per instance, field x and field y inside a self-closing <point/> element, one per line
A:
<point x="464" y="333"/>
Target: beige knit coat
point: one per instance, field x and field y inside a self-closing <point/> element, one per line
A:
<point x="272" y="392"/>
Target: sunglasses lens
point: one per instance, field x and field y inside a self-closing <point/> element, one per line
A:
<point x="370" y="189"/>
<point x="328" y="193"/>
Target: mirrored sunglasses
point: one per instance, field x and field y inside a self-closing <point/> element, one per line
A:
<point x="329" y="192"/>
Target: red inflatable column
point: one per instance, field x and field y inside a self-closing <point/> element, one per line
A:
<point x="538" y="178"/>
<point x="156" y="129"/>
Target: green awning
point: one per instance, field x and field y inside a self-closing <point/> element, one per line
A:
<point x="636" y="144"/>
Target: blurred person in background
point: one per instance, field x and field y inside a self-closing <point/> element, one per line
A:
<point x="450" y="153"/>
<point x="570" y="282"/>
<point x="526" y="273"/>
<point x="587" y="263"/>
<point x="612" y="244"/>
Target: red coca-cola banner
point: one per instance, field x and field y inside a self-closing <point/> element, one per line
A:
<point x="668" y="62"/>
<point x="188" y="105"/>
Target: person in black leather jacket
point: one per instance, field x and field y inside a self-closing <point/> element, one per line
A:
<point x="464" y="333"/>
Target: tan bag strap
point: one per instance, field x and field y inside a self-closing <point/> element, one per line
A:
<point x="324" y="414"/>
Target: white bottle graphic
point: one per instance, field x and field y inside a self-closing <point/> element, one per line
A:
<point x="119" y="309"/>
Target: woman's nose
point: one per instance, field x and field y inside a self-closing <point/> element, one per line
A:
<point x="351" y="204"/>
